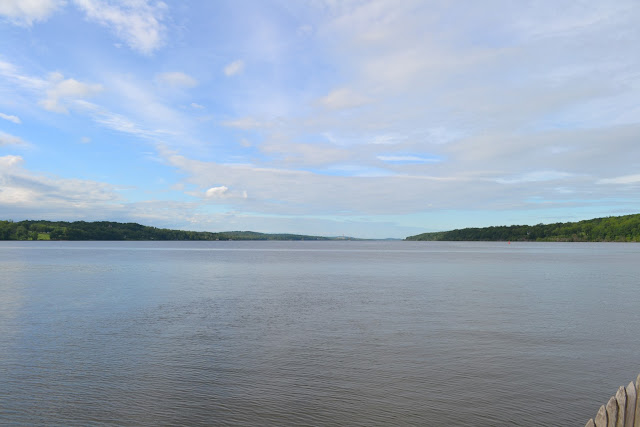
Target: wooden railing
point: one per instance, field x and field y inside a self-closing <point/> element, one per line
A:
<point x="622" y="410"/>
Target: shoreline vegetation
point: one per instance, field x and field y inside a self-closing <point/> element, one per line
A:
<point x="107" y="230"/>
<point x="610" y="229"/>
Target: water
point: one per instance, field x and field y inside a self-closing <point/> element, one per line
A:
<point x="315" y="333"/>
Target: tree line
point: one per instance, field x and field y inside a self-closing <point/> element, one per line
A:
<point x="106" y="230"/>
<point x="610" y="229"/>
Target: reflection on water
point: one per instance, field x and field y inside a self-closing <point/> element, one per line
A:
<point x="315" y="333"/>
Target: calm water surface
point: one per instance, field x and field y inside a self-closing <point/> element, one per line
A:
<point x="315" y="333"/>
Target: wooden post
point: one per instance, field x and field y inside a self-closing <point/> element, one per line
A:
<point x="631" y="405"/>
<point x="601" y="417"/>
<point x="622" y="410"/>
<point x="612" y="412"/>
<point x="621" y="398"/>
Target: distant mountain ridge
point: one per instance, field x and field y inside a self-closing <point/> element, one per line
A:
<point x="106" y="230"/>
<point x="609" y="229"/>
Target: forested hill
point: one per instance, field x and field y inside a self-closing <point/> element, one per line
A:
<point x="611" y="229"/>
<point x="81" y="230"/>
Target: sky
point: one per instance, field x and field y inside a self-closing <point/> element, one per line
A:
<point x="374" y="119"/>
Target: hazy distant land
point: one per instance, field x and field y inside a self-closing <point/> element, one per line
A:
<point x="610" y="229"/>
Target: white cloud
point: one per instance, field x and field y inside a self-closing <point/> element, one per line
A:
<point x="538" y="176"/>
<point x="386" y="139"/>
<point x="85" y="140"/>
<point x="10" y="161"/>
<point x="626" y="179"/>
<point x="62" y="91"/>
<point x="12" y="74"/>
<point x="7" y="139"/>
<point x="342" y="98"/>
<point x="14" y="119"/>
<point x="26" y="12"/>
<point x="216" y="192"/>
<point x="234" y="68"/>
<point x="113" y="120"/>
<point x="137" y="22"/>
<point x="156" y="113"/>
<point x="176" y="79"/>
<point x="197" y="106"/>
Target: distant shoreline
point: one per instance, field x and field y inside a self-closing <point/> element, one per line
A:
<point x="116" y="231"/>
<point x="610" y="229"/>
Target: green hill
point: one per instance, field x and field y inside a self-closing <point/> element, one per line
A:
<point x="105" y="230"/>
<point x="610" y="229"/>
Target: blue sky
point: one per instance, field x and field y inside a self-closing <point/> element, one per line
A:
<point x="363" y="118"/>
